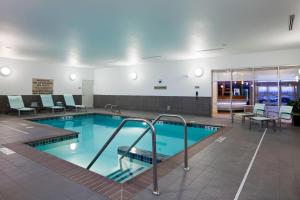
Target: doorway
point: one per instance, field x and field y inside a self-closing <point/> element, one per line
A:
<point x="88" y="93"/>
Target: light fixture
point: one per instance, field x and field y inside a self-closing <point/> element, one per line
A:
<point x="198" y="72"/>
<point x="299" y="71"/>
<point x="72" y="77"/>
<point x="133" y="75"/>
<point x="297" y="78"/>
<point x="5" y="71"/>
<point x="291" y="22"/>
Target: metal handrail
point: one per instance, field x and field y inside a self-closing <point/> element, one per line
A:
<point x="107" y="105"/>
<point x="115" y="106"/>
<point x="154" y="161"/>
<point x="186" y="167"/>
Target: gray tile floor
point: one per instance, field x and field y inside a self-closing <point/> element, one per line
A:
<point x="216" y="172"/>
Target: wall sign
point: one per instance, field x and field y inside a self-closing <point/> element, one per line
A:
<point x="160" y="87"/>
<point x="42" y="86"/>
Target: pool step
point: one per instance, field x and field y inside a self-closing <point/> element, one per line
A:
<point x="122" y="175"/>
<point x="141" y="154"/>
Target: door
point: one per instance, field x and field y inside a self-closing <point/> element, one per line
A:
<point x="87" y="93"/>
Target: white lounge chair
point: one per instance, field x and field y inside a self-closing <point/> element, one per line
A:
<point x="69" y="100"/>
<point x="16" y="103"/>
<point x="258" y="110"/>
<point x="47" y="102"/>
<point x="285" y="113"/>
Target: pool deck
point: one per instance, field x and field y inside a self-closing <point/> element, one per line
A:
<point x="218" y="166"/>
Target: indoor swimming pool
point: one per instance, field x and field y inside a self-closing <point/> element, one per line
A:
<point x="95" y="129"/>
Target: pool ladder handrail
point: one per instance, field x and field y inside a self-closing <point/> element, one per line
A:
<point x="154" y="161"/>
<point x="107" y="106"/>
<point x="186" y="167"/>
<point x="111" y="107"/>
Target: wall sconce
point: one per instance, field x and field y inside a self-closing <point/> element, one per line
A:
<point x="198" y="72"/>
<point x="72" y="77"/>
<point x="5" y="71"/>
<point x="133" y="75"/>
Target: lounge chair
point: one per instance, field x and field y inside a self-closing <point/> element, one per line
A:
<point x="69" y="100"/>
<point x="16" y="103"/>
<point x="285" y="113"/>
<point x="258" y="110"/>
<point x="47" y="102"/>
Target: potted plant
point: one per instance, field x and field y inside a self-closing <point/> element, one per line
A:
<point x="296" y="111"/>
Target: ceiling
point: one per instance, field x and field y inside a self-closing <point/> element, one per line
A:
<point x="115" y="32"/>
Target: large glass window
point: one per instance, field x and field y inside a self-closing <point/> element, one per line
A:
<point x="273" y="86"/>
<point x="288" y="84"/>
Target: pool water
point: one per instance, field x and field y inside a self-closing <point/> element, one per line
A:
<point x="96" y="129"/>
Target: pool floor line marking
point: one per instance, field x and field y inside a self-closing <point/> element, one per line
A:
<point x="17" y="130"/>
<point x="6" y="151"/>
<point x="220" y="139"/>
<point x="237" y="195"/>
<point x="28" y="127"/>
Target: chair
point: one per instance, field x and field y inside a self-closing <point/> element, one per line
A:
<point x="47" y="102"/>
<point x="258" y="110"/>
<point x="16" y="103"/>
<point x="69" y="100"/>
<point x="285" y="113"/>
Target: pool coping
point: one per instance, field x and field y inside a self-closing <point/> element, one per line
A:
<point x="97" y="182"/>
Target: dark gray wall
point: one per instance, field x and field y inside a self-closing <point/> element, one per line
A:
<point x="4" y="105"/>
<point x="184" y="105"/>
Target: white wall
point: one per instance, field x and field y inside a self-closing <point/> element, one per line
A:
<point x="20" y="81"/>
<point x="116" y="81"/>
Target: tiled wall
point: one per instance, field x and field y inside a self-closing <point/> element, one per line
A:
<point x="4" y="105"/>
<point x="184" y="105"/>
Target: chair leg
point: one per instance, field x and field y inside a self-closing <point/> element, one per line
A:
<point x="279" y="122"/>
<point x="19" y="113"/>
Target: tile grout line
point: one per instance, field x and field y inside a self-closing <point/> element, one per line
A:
<point x="237" y="195"/>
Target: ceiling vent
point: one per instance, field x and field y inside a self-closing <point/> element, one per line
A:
<point x="291" y="22"/>
<point x="214" y="49"/>
<point x="151" y="57"/>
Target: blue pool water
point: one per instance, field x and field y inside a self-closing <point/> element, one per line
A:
<point x="96" y="129"/>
